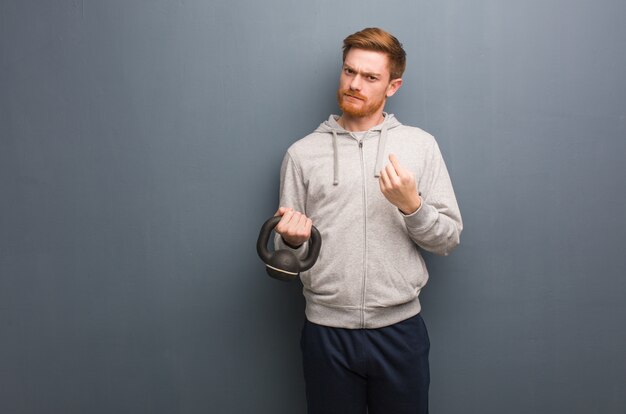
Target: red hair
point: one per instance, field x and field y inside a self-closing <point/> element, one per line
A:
<point x="373" y="38"/>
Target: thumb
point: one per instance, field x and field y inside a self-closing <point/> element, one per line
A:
<point x="282" y="210"/>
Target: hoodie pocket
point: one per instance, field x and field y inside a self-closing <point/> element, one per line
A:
<point x="334" y="284"/>
<point x="390" y="285"/>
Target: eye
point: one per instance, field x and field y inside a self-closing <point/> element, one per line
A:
<point x="348" y="71"/>
<point x="372" y="78"/>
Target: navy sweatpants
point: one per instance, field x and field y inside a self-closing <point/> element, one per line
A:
<point x="385" y="369"/>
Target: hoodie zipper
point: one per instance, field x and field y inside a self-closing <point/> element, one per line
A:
<point x="364" y="234"/>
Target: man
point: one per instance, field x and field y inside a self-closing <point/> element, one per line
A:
<point x="379" y="193"/>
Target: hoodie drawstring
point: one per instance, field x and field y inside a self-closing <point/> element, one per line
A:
<point x="380" y="155"/>
<point x="335" y="160"/>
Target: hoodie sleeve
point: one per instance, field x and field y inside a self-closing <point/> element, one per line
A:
<point x="436" y="226"/>
<point x="293" y="195"/>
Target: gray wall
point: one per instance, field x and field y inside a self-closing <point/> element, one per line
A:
<point x="140" y="143"/>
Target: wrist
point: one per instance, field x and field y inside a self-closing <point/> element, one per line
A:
<point x="411" y="207"/>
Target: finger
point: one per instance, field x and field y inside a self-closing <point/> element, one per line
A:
<point x="295" y="222"/>
<point x="302" y="225"/>
<point x="294" y="217"/>
<point x="396" y="164"/>
<point x="282" y="210"/>
<point x="308" y="225"/>
<point x="301" y="221"/>
<point x="392" y="174"/>
<point x="283" y="225"/>
<point x="384" y="180"/>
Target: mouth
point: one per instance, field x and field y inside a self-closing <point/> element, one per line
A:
<point x="353" y="97"/>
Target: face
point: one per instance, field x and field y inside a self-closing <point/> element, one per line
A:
<point x="365" y="83"/>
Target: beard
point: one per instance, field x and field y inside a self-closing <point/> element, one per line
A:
<point x="367" y="108"/>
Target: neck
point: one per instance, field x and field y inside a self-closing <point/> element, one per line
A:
<point x="355" y="124"/>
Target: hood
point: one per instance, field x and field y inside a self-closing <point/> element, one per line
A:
<point x="332" y="127"/>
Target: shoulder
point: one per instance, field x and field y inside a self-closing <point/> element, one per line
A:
<point x="320" y="136"/>
<point x="310" y="144"/>
<point x="412" y="135"/>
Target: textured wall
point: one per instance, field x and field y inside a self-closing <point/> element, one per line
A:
<point x="140" y="143"/>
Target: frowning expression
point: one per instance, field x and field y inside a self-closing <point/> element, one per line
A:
<point x="365" y="83"/>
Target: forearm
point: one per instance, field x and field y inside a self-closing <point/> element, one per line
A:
<point x="292" y="199"/>
<point x="434" y="229"/>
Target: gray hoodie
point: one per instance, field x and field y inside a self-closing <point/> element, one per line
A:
<point x="370" y="270"/>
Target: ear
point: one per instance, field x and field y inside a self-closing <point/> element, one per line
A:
<point x="393" y="87"/>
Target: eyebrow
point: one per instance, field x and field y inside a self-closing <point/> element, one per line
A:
<point x="346" y="66"/>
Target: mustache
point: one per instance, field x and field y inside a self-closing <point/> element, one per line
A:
<point x="353" y="94"/>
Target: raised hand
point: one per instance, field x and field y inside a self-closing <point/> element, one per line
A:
<point x="399" y="187"/>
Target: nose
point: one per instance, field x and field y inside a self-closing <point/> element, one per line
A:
<point x="355" y="82"/>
